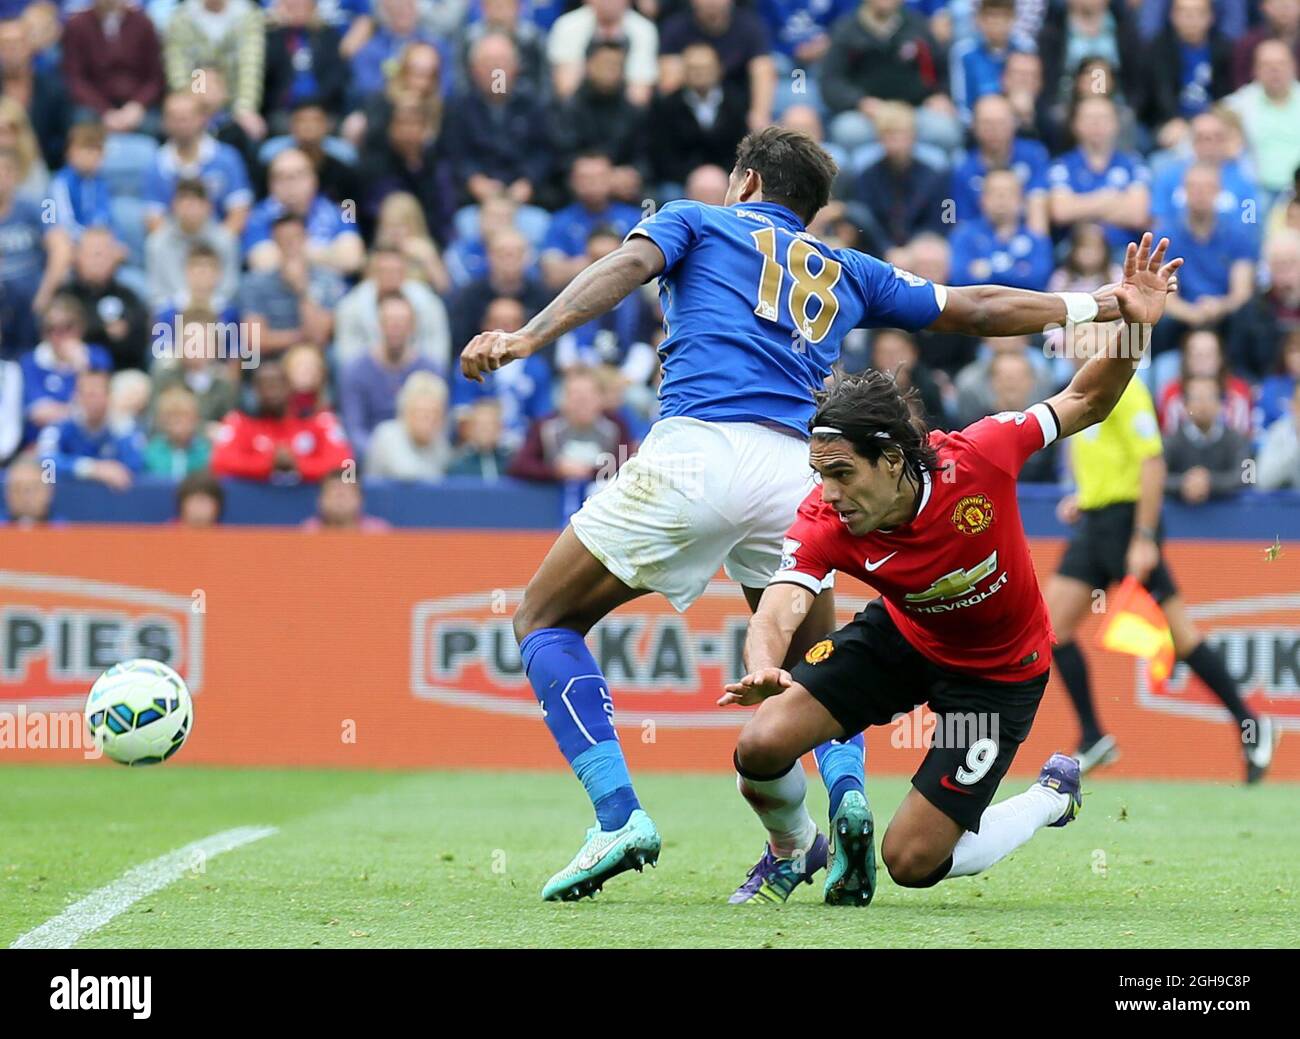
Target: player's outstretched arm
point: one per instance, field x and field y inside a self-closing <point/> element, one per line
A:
<point x="996" y="310"/>
<point x="598" y="289"/>
<point x="781" y="610"/>
<point x="1140" y="297"/>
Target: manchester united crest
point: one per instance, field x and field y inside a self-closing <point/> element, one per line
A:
<point x="973" y="514"/>
<point x="820" y="652"/>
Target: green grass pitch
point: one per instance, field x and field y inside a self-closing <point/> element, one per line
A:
<point x="375" y="859"/>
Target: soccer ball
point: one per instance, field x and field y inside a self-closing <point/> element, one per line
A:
<point x="139" y="712"/>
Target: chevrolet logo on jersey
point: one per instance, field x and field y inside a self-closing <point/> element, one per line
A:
<point x="955" y="584"/>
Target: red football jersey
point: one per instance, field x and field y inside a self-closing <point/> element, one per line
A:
<point x="957" y="580"/>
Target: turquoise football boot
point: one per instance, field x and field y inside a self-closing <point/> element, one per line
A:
<point x="851" y="872"/>
<point x="606" y="855"/>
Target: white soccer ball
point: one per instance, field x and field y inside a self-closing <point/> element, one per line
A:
<point x="139" y="712"/>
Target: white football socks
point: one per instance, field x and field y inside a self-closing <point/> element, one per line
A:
<point x="1004" y="827"/>
<point x="779" y="804"/>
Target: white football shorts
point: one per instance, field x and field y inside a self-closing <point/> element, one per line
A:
<point x="696" y="496"/>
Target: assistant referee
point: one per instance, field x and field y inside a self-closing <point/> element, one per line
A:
<point x="1119" y="473"/>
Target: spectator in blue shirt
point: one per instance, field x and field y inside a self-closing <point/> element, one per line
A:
<point x="201" y="291"/>
<point x="616" y="338"/>
<point x="998" y="247"/>
<point x="1211" y="143"/>
<point x="191" y="153"/>
<point x="1096" y="181"/>
<point x="342" y="14"/>
<point x="294" y="191"/>
<point x="11" y="410"/>
<point x="1218" y="274"/>
<point x="292" y="302"/>
<point x="798" y="27"/>
<point x="1277" y="390"/>
<point x="998" y="147"/>
<point x="1231" y="18"/>
<point x="523" y="390"/>
<point x="541" y="13"/>
<point x="400" y="27"/>
<point x="976" y="62"/>
<point x="34" y="259"/>
<point x="79" y="190"/>
<point x="50" y="370"/>
<point x="86" y="445"/>
<point x="564" y="252"/>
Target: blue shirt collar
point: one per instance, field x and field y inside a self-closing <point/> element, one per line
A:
<point x="776" y="211"/>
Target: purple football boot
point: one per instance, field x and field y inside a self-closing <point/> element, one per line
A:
<point x="772" y="879"/>
<point x="1062" y="774"/>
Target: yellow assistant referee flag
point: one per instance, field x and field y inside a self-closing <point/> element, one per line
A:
<point x="1137" y="626"/>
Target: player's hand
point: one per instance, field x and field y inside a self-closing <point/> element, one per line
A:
<point x="1067" y="510"/>
<point x="488" y="351"/>
<point x="1143" y="555"/>
<point x="756" y="687"/>
<point x="1147" y="280"/>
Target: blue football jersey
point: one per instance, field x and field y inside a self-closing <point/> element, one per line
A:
<point x="1073" y="170"/>
<point x="755" y="309"/>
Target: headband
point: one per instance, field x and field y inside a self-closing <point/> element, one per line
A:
<point x="831" y="431"/>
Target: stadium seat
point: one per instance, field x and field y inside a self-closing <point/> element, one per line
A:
<point x="531" y="221"/>
<point x="866" y="154"/>
<point x="128" y="213"/>
<point x="134" y="278"/>
<point x="335" y="147"/>
<point x="126" y="157"/>
<point x="1162" y="371"/>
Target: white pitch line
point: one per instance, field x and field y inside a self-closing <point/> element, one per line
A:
<point x="99" y="907"/>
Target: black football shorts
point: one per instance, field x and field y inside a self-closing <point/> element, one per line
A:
<point x="1096" y="554"/>
<point x="868" y="674"/>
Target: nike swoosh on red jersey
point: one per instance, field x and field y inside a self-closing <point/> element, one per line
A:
<point x="872" y="567"/>
<point x="947" y="783"/>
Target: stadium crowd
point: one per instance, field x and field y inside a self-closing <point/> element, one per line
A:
<point x="249" y="241"/>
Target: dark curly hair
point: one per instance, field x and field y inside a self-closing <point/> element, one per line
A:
<point x="872" y="413"/>
<point x="797" y="172"/>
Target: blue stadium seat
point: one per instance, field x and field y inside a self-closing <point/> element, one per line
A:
<point x="128" y="214"/>
<point x="335" y="147"/>
<point x="532" y="221"/>
<point x="126" y="157"/>
<point x="866" y="154"/>
<point x="134" y="278"/>
<point x="1162" y="371"/>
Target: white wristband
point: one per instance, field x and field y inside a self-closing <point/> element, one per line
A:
<point x="1080" y="307"/>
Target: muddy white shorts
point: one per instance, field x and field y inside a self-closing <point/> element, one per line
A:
<point x="696" y="496"/>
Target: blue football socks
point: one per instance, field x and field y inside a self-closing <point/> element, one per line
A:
<point x="843" y="768"/>
<point x="580" y="714"/>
